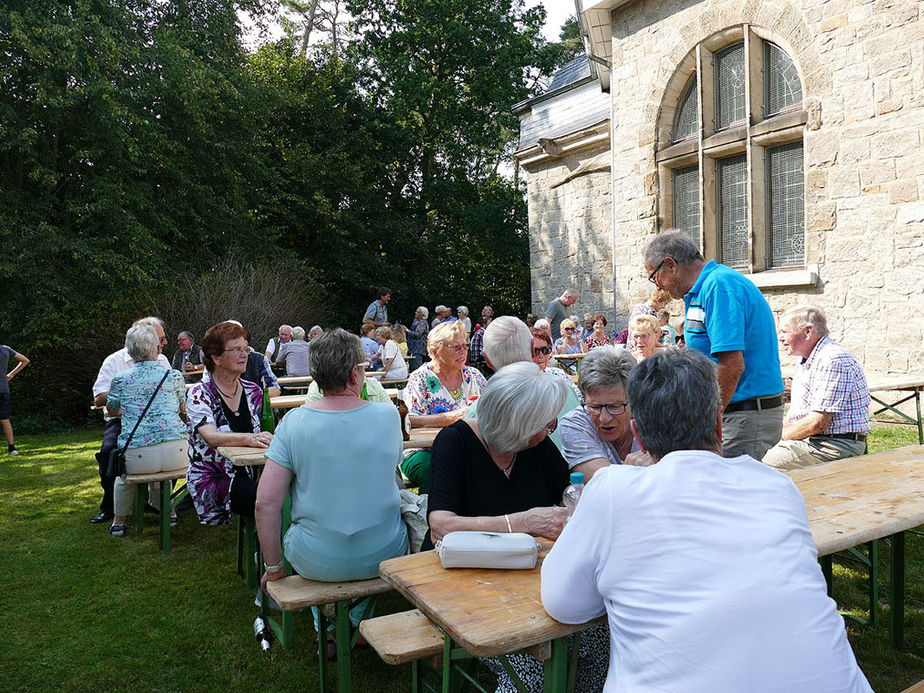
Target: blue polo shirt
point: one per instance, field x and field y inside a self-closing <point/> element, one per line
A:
<point x="726" y="312"/>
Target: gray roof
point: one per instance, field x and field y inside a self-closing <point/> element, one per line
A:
<point x="575" y="71"/>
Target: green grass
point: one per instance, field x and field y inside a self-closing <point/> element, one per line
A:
<point x="85" y="611"/>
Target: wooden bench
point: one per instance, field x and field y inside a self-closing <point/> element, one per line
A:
<point x="168" y="500"/>
<point x="916" y="688"/>
<point x="295" y="592"/>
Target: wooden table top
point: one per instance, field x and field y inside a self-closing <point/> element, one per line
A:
<point x="858" y="499"/>
<point x="287" y="401"/>
<point x="295" y="380"/>
<point x="878" y="382"/>
<point x="569" y="357"/>
<point x="421" y="438"/>
<point x="241" y="456"/>
<point x="487" y="612"/>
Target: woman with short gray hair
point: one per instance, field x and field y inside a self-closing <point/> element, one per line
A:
<point x="159" y="443"/>
<point x="500" y="472"/>
<point x="417" y="337"/>
<point x="597" y="434"/>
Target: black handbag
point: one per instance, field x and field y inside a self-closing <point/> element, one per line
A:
<point x="116" y="465"/>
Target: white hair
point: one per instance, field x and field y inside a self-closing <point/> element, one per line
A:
<point x="423" y="311"/>
<point x="507" y="340"/>
<point x="142" y="341"/>
<point x="519" y="401"/>
<point x="298" y="332"/>
<point x="462" y="309"/>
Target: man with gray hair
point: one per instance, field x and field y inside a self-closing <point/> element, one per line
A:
<point x="730" y="321"/>
<point x="188" y="356"/>
<point x="829" y="415"/>
<point x="116" y="363"/>
<point x="275" y="344"/>
<point x="558" y="310"/>
<point x="698" y="544"/>
<point x="508" y="340"/>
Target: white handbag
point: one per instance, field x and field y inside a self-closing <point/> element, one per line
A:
<point x="506" y="550"/>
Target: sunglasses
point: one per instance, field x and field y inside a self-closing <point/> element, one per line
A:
<point x="542" y="350"/>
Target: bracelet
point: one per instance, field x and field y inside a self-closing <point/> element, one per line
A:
<point x="509" y="528"/>
<point x="274" y="568"/>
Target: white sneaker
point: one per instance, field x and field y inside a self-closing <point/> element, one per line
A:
<point x="14" y="451"/>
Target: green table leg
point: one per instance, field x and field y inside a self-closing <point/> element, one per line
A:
<point x="344" y="672"/>
<point x="873" y="582"/>
<point x="917" y="405"/>
<point x="447" y="663"/>
<point x="556" y="667"/>
<point x="165" y="492"/>
<point x="250" y="567"/>
<point x="826" y="571"/>
<point x="897" y="626"/>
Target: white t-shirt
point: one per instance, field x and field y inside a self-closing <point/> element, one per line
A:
<point x="709" y="577"/>
<point x="398" y="370"/>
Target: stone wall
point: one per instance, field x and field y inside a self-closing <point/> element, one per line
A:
<point x="569" y="222"/>
<point x="862" y="69"/>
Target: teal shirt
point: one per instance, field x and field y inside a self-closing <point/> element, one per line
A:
<point x="346" y="510"/>
<point x="131" y="390"/>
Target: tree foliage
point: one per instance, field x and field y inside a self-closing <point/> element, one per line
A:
<point x="140" y="145"/>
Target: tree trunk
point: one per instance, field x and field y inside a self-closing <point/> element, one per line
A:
<point x="309" y="24"/>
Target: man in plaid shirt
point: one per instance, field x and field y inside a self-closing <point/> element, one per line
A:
<point x="829" y="415"/>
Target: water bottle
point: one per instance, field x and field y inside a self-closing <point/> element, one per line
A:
<point x="260" y="630"/>
<point x="573" y="493"/>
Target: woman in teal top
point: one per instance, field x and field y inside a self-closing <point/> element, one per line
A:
<point x="337" y="455"/>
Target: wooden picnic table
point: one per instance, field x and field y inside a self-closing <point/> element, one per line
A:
<point x="486" y="612"/>
<point x="859" y="499"/>
<point x="295" y="380"/>
<point x="292" y="401"/>
<point x="241" y="456"/>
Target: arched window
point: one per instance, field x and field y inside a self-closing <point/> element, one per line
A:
<point x="730" y="158"/>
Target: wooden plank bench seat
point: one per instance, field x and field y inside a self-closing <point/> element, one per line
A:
<point x="403" y="637"/>
<point x="916" y="688"/>
<point x="295" y="592"/>
<point x="168" y="500"/>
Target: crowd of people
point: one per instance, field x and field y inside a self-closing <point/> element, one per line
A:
<point x="687" y="536"/>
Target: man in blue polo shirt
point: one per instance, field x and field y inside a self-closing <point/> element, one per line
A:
<point x="730" y="321"/>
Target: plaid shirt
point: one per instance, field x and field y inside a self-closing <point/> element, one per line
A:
<point x="831" y="380"/>
<point x="474" y="352"/>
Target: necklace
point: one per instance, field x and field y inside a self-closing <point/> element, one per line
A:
<point x="226" y="397"/>
<point x="507" y="470"/>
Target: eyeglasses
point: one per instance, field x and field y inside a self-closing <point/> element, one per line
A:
<point x="651" y="277"/>
<point x="542" y="350"/>
<point x="237" y="350"/>
<point x="613" y="408"/>
<point x="458" y="348"/>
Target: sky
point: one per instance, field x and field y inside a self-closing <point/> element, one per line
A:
<point x="556" y="11"/>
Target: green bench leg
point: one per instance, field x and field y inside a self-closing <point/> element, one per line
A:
<point x="826" y="571"/>
<point x="141" y="494"/>
<point x="246" y="548"/>
<point x="322" y="650"/>
<point x="897" y="625"/>
<point x="556" y="667"/>
<point x="165" y="493"/>
<point x="344" y="670"/>
<point x="873" y="582"/>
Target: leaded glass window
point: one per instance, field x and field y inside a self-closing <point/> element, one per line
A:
<point x="785" y="206"/>
<point x="687" y="123"/>
<point x="686" y="201"/>
<point x="730" y="78"/>
<point x="782" y="87"/>
<point x="732" y="179"/>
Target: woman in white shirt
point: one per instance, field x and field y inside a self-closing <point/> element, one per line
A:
<point x="390" y="355"/>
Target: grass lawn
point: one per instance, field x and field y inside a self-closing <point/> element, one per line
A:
<point x="86" y="611"/>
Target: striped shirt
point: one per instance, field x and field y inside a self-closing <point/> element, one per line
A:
<point x="830" y="380"/>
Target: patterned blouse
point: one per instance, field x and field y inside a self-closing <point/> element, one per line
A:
<point x="131" y="390"/>
<point x="209" y="474"/>
<point x="425" y="394"/>
<point x="593" y="341"/>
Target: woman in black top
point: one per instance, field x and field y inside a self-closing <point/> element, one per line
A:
<point x="500" y="472"/>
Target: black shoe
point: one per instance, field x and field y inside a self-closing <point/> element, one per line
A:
<point x="150" y="509"/>
<point x="101" y="518"/>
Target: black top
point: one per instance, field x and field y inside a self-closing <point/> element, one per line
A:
<point x="466" y="481"/>
<point x="240" y="421"/>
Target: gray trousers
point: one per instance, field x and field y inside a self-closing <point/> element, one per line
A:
<point x="751" y="432"/>
<point x="792" y="454"/>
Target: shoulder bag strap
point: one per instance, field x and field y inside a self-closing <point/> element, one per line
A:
<point x="147" y="406"/>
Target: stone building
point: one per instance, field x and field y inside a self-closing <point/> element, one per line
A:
<point x="785" y="136"/>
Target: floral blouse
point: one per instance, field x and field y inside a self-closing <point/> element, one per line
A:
<point x="593" y="341"/>
<point x="425" y="394"/>
<point x="209" y="474"/>
<point x="131" y="391"/>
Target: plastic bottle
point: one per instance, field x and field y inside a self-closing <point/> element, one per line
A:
<point x="260" y="630"/>
<point x="267" y="418"/>
<point x="573" y="493"/>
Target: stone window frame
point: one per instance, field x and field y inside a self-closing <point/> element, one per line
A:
<point x="752" y="138"/>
